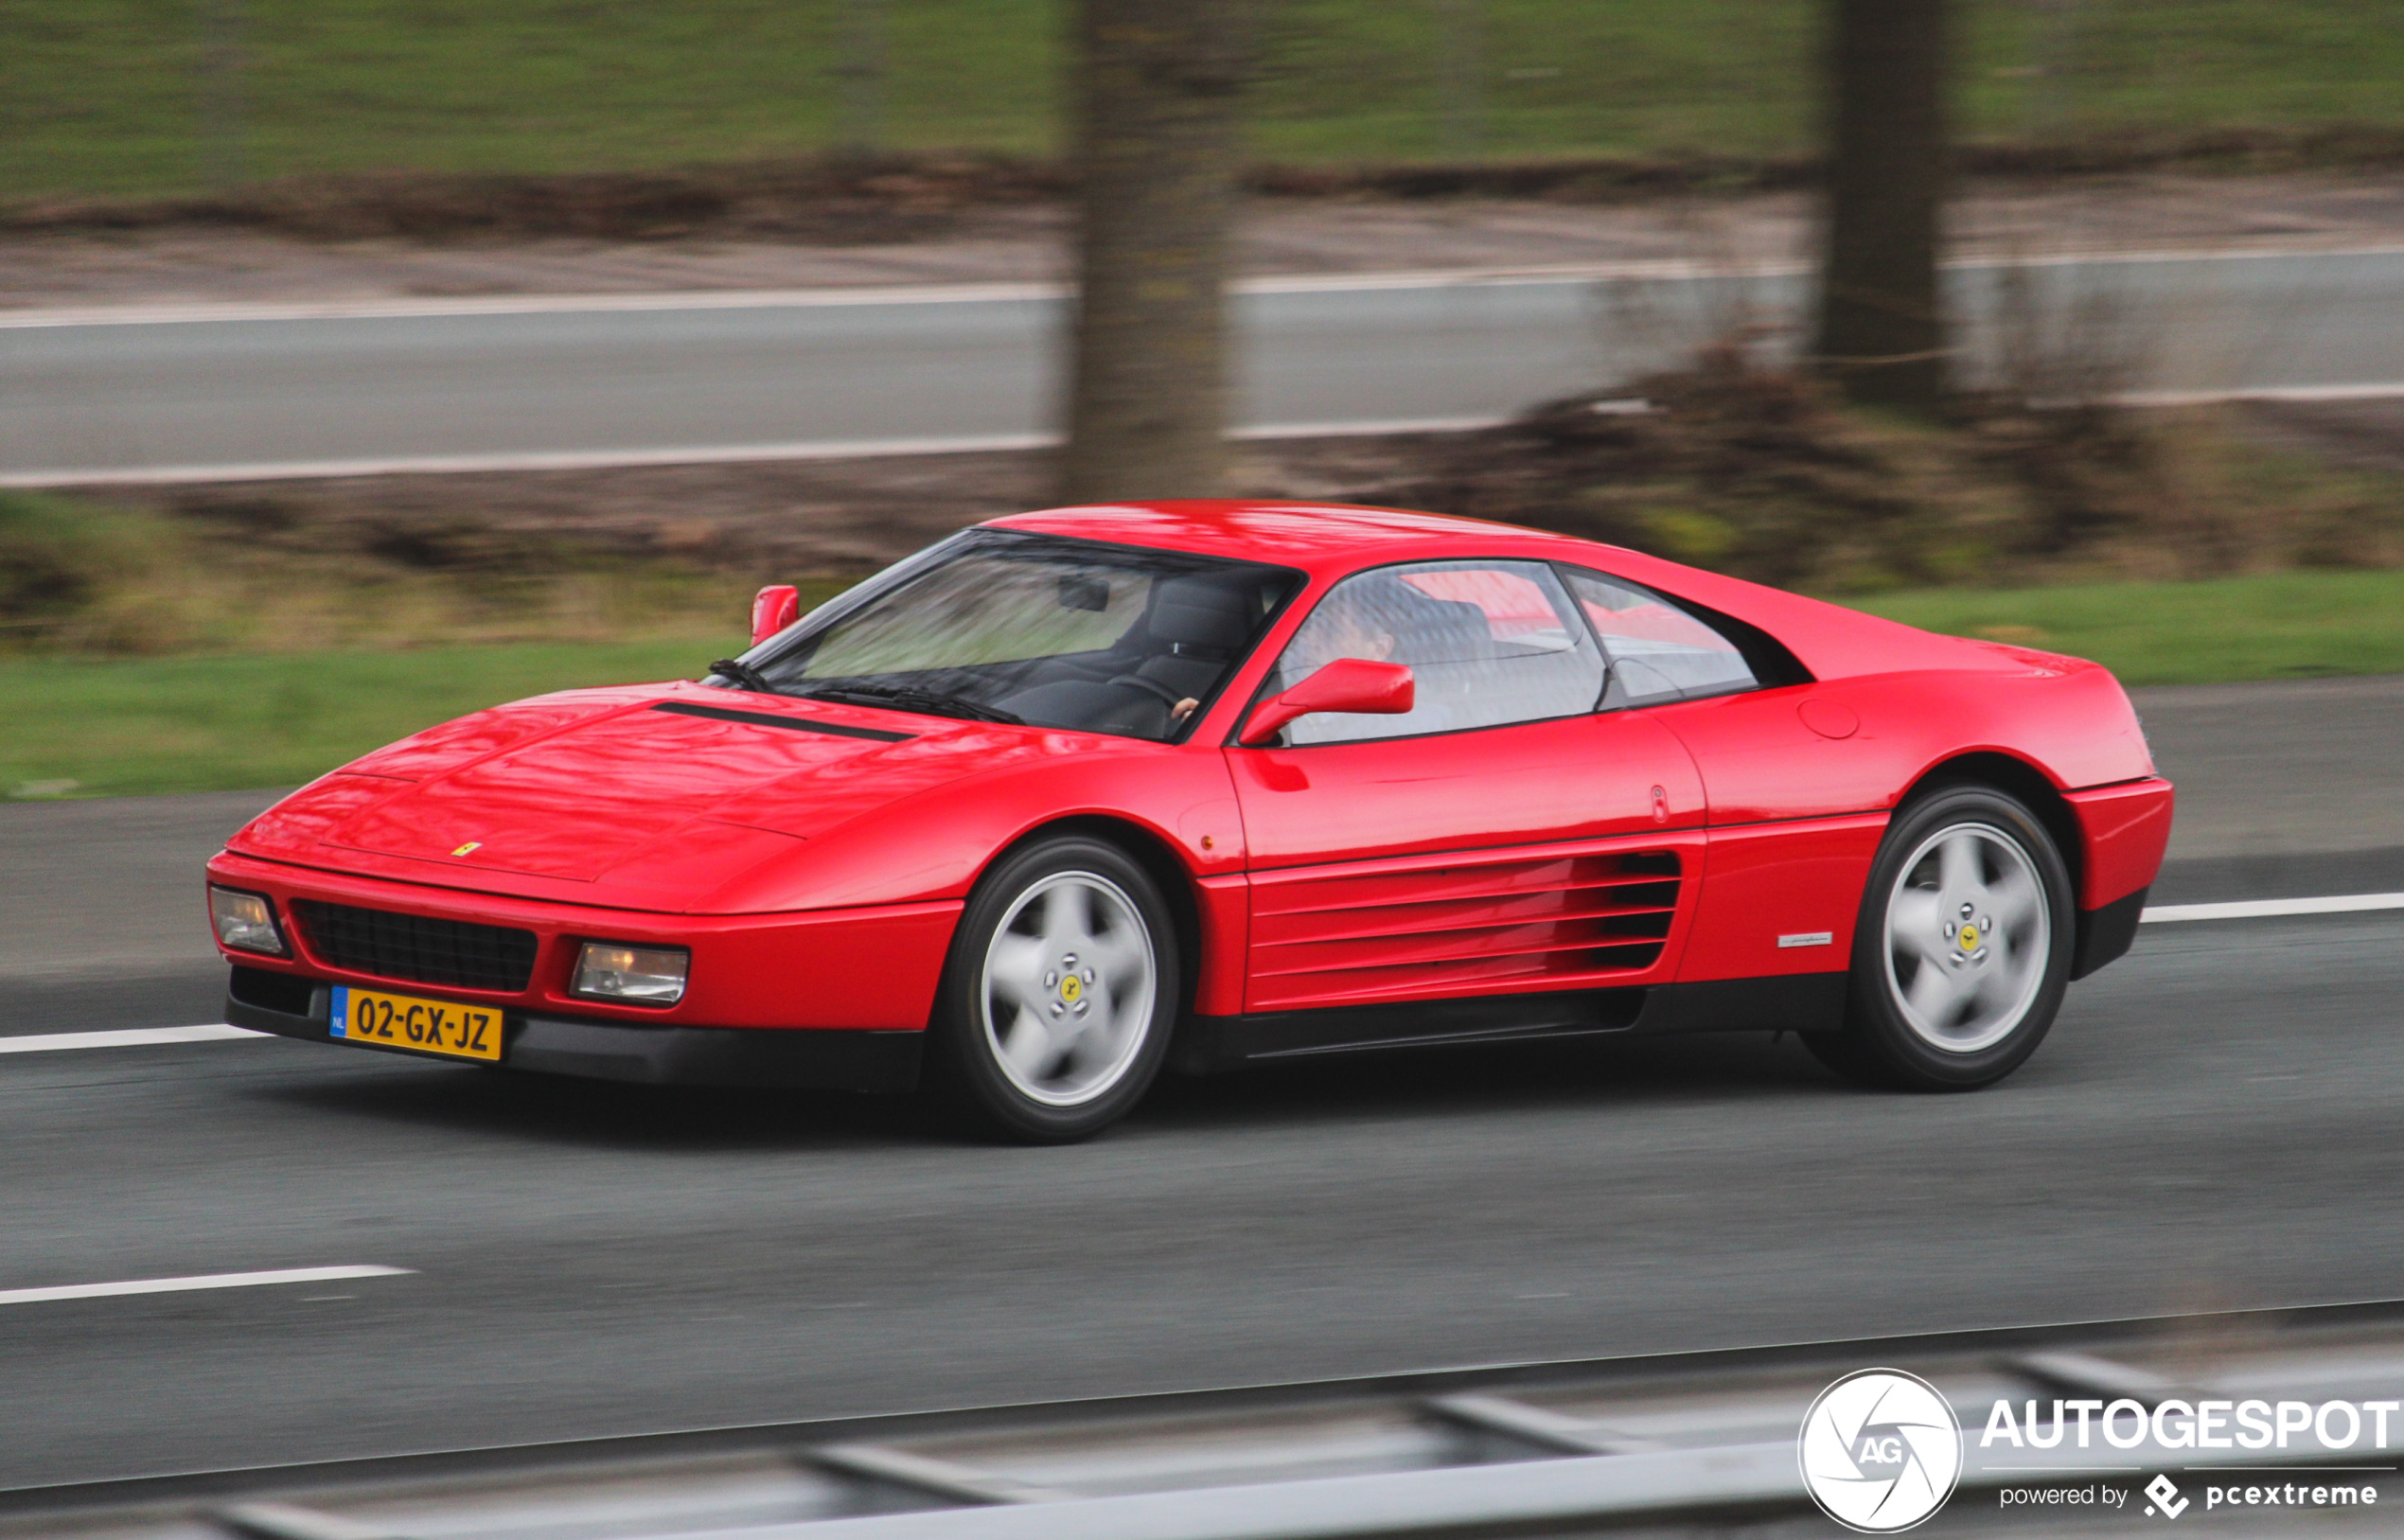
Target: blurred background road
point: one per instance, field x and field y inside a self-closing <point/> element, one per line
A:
<point x="552" y="381"/>
<point x="2207" y="1128"/>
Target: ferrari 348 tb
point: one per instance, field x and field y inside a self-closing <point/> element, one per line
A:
<point x="1076" y="794"/>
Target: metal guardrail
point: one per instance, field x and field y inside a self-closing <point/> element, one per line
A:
<point x="1523" y="1448"/>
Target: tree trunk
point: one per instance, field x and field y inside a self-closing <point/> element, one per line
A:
<point x="1157" y="91"/>
<point x="1882" y="327"/>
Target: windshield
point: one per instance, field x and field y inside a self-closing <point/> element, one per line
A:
<point x="1043" y="629"/>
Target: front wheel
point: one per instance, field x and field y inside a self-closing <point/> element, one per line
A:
<point x="1963" y="949"/>
<point x="1060" y="991"/>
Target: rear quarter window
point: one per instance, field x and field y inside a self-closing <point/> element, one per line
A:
<point x="1658" y="651"/>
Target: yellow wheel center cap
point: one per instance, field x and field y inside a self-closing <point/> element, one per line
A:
<point x="1970" y="938"/>
<point x="1070" y="987"/>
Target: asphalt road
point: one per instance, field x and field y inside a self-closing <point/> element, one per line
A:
<point x="2210" y="1125"/>
<point x="480" y="383"/>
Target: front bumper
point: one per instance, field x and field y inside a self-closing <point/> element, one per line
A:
<point x="661" y="1055"/>
<point x="871" y="969"/>
<point x="2124" y="831"/>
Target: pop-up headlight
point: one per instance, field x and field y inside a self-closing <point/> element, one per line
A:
<point x="632" y="975"/>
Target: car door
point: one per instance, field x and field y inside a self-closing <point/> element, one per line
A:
<point x="1503" y="835"/>
<point x="1795" y="788"/>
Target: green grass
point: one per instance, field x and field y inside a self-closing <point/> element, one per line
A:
<point x="2280" y="626"/>
<point x="118" y="96"/>
<point x="118" y="727"/>
<point x="114" y="728"/>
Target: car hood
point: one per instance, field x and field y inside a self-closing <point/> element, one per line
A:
<point x="662" y="797"/>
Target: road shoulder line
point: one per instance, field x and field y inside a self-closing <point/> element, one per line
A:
<point x="835" y="296"/>
<point x="52" y="1042"/>
<point x="2261" y="908"/>
<point x="199" y="1280"/>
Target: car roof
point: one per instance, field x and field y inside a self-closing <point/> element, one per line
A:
<point x="1320" y="537"/>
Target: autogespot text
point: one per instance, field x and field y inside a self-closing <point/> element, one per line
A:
<point x="2333" y="1426"/>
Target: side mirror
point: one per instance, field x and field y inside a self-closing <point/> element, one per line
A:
<point x="1348" y="684"/>
<point x="774" y="608"/>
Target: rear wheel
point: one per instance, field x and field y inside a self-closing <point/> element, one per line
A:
<point x="1059" y="996"/>
<point x="1963" y="948"/>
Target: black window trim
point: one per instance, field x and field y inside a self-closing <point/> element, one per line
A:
<point x="1772" y="665"/>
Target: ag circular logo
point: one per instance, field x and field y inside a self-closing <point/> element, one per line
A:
<point x="1880" y="1450"/>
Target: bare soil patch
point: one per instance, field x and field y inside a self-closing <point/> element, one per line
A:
<point x="880" y="197"/>
<point x="935" y="230"/>
<point x="1768" y="476"/>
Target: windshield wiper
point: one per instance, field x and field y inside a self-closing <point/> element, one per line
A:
<point x="743" y="674"/>
<point x="912" y="698"/>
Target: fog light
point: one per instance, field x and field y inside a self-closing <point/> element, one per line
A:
<point x="635" y="975"/>
<point x="245" y="921"/>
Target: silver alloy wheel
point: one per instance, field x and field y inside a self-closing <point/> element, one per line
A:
<point x="1067" y="994"/>
<point x="1968" y="937"/>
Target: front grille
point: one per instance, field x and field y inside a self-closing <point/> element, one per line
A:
<point x="412" y="947"/>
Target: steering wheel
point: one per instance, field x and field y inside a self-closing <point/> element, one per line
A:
<point x="1168" y="698"/>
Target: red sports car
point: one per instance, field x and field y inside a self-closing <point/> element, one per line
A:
<point x="1074" y="794"/>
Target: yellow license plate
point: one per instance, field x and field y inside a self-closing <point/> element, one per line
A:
<point x="428" y="1026"/>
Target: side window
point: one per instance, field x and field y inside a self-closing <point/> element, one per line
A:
<point x="1658" y="652"/>
<point x="1488" y="643"/>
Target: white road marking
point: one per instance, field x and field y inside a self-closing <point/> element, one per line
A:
<point x="51" y="1042"/>
<point x="447" y="465"/>
<point x="2257" y="908"/>
<point x="2371" y="391"/>
<point x="849" y="448"/>
<point x="412" y="307"/>
<point x="204" y="1281"/>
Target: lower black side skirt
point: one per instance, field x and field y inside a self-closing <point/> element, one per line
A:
<point x="1789" y="1003"/>
<point x="1781" y="1002"/>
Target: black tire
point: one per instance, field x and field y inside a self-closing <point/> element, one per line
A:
<point x="1967" y="1027"/>
<point x="983" y="1007"/>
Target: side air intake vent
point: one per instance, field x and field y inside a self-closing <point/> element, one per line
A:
<point x="1318" y="939"/>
